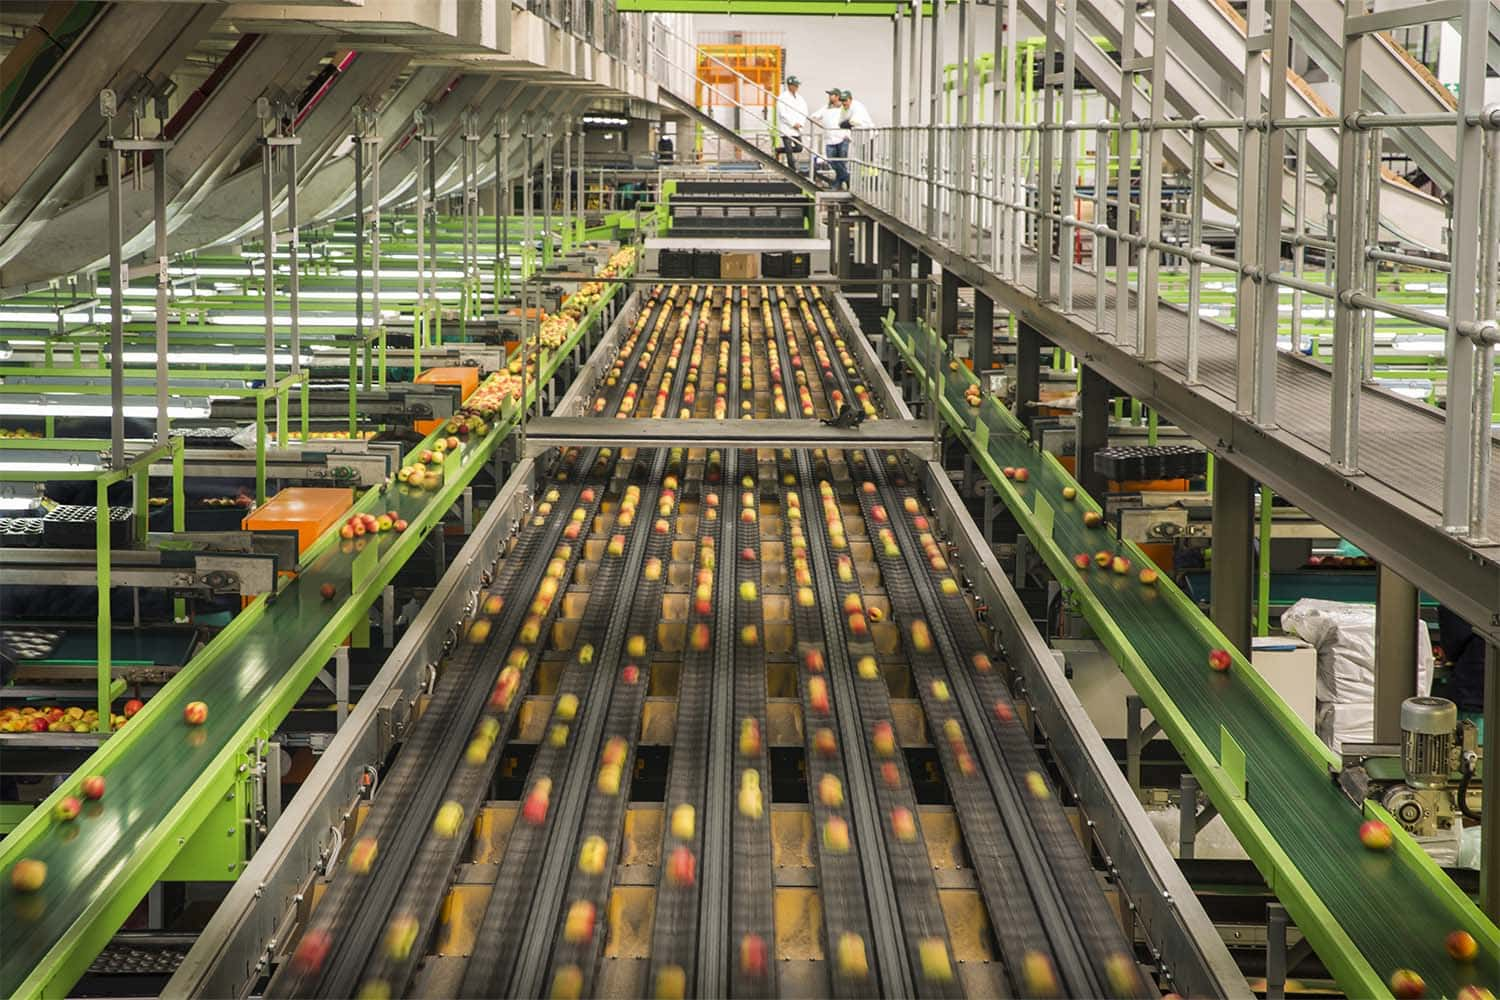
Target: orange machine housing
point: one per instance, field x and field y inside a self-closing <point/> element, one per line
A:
<point x="307" y="510"/>
<point x="467" y="380"/>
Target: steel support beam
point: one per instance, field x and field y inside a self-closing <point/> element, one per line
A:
<point x="1395" y="651"/>
<point x="1028" y="373"/>
<point x="1232" y="576"/>
<point x="1092" y="430"/>
<point x="948" y="309"/>
<point x="1489" y="850"/>
<point x="984" y="332"/>
<point x="905" y="292"/>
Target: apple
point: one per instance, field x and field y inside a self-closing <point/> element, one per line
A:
<point x="449" y="820"/>
<point x="952" y="732"/>
<point x="1406" y="984"/>
<point x="608" y="781"/>
<point x="493" y="604"/>
<point x="817" y="695"/>
<point x="359" y="529"/>
<point x="1462" y="946"/>
<point x="701" y="637"/>
<point x="749" y="635"/>
<point x="652" y="569"/>
<point x="911" y="506"/>
<point x="592" y="855"/>
<point x="1037" y="974"/>
<point x="824" y="743"/>
<point x="1103" y="558"/>
<point x="830" y="791"/>
<point x="93" y="787"/>
<point x="614" y="752"/>
<point x="616" y="546"/>
<point x="195" y="713"/>
<point x="534" y="809"/>
<point x="132" y="706"/>
<point x="67" y="809"/>
<point x="579" y="925"/>
<point x="1120" y="565"/>
<point x="939" y="690"/>
<point x="1022" y="475"/>
<point x="1375" y="835"/>
<point x="813" y="660"/>
<point x="1092" y="519"/>
<point x="1148" y="577"/>
<point x="747" y="590"/>
<point x="753" y="956"/>
<point x="1472" y="992"/>
<point x="853" y="963"/>
<point x="312" y="950"/>
<point x="347" y="531"/>
<point x="836" y="835"/>
<point x="1219" y="659"/>
<point x="747" y="554"/>
<point x="933" y="955"/>
<point x="750" y="801"/>
<point x="1009" y="472"/>
<point x="400" y="936"/>
<point x="684" y="822"/>
<point x="630" y="674"/>
<point x="479" y="631"/>
<point x="1037" y="785"/>
<point x="567" y="707"/>
<point x="883" y="738"/>
<point x="1069" y="493"/>
<point x="452" y="443"/>
<point x="671" y="983"/>
<point x="1003" y="711"/>
<point x="1123" y="975"/>
<point x="858" y="625"/>
<point x="362" y="855"/>
<point x="384" y="523"/>
<point x="749" y="737"/>
<point x="682" y="867"/>
<point x="867" y="668"/>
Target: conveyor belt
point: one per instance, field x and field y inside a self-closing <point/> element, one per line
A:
<point x="549" y="923"/>
<point x="1357" y="907"/>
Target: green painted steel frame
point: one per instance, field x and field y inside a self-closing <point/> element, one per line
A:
<point x="1312" y="916"/>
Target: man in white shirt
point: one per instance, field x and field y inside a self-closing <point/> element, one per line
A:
<point x="791" y="118"/>
<point x="834" y="124"/>
<point x="855" y="111"/>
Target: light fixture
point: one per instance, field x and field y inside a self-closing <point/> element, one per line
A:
<point x="17" y="503"/>
<point x="8" y="465"/>
<point x="27" y="408"/>
<point x="212" y="358"/>
<point x="605" y="121"/>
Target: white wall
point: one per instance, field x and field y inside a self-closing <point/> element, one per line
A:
<point x="849" y="52"/>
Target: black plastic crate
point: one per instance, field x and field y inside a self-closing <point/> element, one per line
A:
<point x="773" y="264"/>
<point x="675" y="264"/>
<point x="20" y="532"/>
<point x="798" y="265"/>
<point x="706" y="263"/>
<point x="69" y="527"/>
<point x="1139" y="462"/>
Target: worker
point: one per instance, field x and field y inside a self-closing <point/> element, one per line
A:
<point x="855" y="111"/>
<point x="1463" y="654"/>
<point x="791" y="117"/>
<point x="831" y="120"/>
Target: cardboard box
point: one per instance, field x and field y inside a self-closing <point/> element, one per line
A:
<point x="739" y="266"/>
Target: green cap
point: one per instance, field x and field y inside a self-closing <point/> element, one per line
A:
<point x="792" y="81"/>
<point x="834" y="91"/>
<point x="845" y="95"/>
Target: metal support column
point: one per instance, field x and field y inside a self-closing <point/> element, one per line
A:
<point x="984" y="332"/>
<point x="1046" y="227"/>
<point x="1092" y="430"/>
<point x="1343" y="442"/>
<point x="1273" y="173"/>
<point x="1232" y="575"/>
<point x="1395" y="651"/>
<point x="116" y="314"/>
<point x="1028" y="372"/>
<point x="1489" y="850"/>
<point x="1123" y="174"/>
<point x="1247" y="254"/>
<point x="1151" y="174"/>
<point x="163" y="279"/>
<point x="948" y="309"/>
<point x="905" y="292"/>
<point x="923" y="288"/>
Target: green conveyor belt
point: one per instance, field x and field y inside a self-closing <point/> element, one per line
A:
<point x="165" y="779"/>
<point x="1365" y="913"/>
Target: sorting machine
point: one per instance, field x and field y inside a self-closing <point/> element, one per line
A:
<point x="723" y="720"/>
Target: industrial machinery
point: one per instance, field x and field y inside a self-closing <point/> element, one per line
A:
<point x="1428" y="782"/>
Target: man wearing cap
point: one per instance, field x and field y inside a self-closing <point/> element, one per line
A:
<point x="835" y="127"/>
<point x="791" y="118"/>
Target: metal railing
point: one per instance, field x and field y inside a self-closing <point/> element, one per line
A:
<point x="992" y="191"/>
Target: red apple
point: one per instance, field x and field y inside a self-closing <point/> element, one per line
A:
<point x="890" y="774"/>
<point x="1022" y="475"/>
<point x="195" y="713"/>
<point x="1148" y="577"/>
<point x="753" y="956"/>
<point x="1473" y="992"/>
<point x="1219" y="659"/>
<point x="399" y="524"/>
<point x="1009" y="472"/>
<point x="631" y="674"/>
<point x="682" y="867"/>
<point x="747" y="554"/>
<point x="1375" y="835"/>
<point x="1120" y="565"/>
<point x="347" y="531"/>
<point x="1003" y="711"/>
<point x="93" y="787"/>
<point x="132" y="706"/>
<point x="824" y="742"/>
<point x="1462" y="946"/>
<point x="1082" y="560"/>
<point x="1406" y="984"/>
<point x="327" y="590"/>
<point x="67" y="809"/>
<point x="312" y="950"/>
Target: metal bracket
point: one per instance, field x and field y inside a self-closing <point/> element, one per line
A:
<point x="1193" y="818"/>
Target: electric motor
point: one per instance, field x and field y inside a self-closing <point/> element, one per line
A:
<point x="1427" y="730"/>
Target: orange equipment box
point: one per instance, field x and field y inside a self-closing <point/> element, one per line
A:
<point x="307" y="510"/>
<point x="467" y="380"/>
